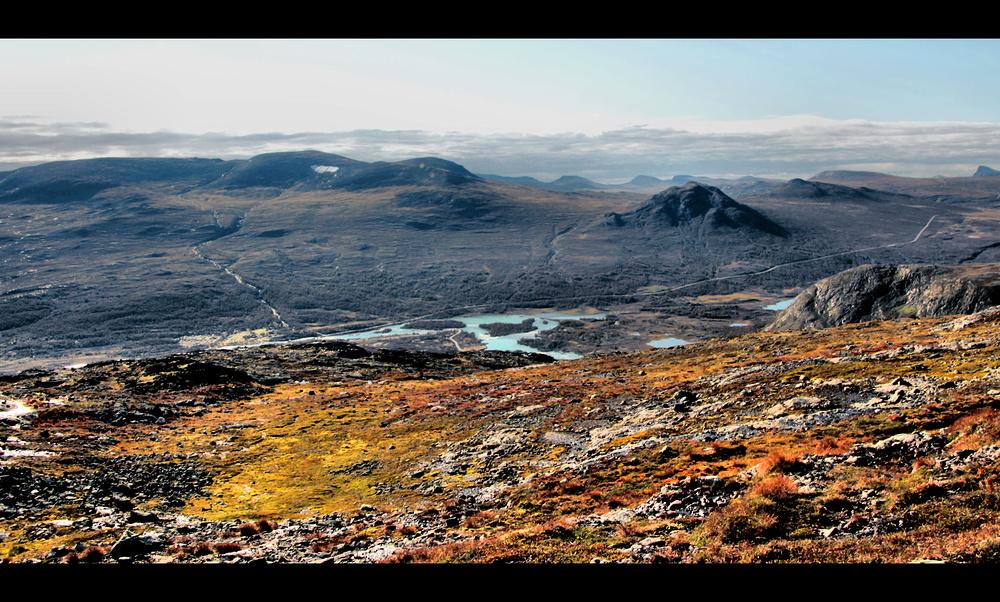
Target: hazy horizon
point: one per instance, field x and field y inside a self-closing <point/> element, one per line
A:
<point x="607" y="110"/>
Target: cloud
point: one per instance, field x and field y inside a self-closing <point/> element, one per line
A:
<point x="796" y="146"/>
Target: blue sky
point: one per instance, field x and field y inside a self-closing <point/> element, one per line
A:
<point x="605" y="109"/>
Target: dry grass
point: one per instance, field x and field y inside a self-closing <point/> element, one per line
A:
<point x="976" y="430"/>
<point x="778" y="462"/>
<point x="832" y="446"/>
<point x="777" y="487"/>
<point x="91" y="554"/>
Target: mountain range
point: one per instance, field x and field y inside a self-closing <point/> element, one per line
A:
<point x="128" y="257"/>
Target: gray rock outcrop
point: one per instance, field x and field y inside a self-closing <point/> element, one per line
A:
<point x="877" y="292"/>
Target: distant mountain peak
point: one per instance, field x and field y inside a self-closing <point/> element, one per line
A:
<point x="834" y="193"/>
<point x="568" y="183"/>
<point x="703" y="205"/>
<point x="319" y="170"/>
<point x="987" y="172"/>
<point x="802" y="188"/>
<point x="436" y="163"/>
<point x="840" y="174"/>
<point x="645" y="181"/>
<point x="563" y="184"/>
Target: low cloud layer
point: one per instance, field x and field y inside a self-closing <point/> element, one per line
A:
<point x="776" y="148"/>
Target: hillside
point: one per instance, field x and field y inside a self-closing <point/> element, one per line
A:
<point x="873" y="442"/>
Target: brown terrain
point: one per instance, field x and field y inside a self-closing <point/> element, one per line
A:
<point x="871" y="442"/>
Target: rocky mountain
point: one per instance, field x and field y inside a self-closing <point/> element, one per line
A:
<point x="986" y="172"/>
<point x="703" y="208"/>
<point x="873" y="292"/>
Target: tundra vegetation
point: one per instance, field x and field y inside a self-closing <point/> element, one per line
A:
<point x="871" y="442"/>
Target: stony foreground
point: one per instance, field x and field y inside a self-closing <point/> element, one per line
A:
<point x="871" y="442"/>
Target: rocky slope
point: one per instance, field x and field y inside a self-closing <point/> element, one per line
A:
<point x="878" y="292"/>
<point x="868" y="442"/>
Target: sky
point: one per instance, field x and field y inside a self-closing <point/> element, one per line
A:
<point x="605" y="109"/>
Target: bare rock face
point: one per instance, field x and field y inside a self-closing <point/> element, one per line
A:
<point x="873" y="292"/>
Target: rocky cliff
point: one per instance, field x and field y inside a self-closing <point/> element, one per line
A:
<point x="878" y="292"/>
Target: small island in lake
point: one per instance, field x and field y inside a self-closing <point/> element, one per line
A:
<point x="499" y="329"/>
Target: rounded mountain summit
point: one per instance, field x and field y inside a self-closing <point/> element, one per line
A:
<point x="701" y="207"/>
